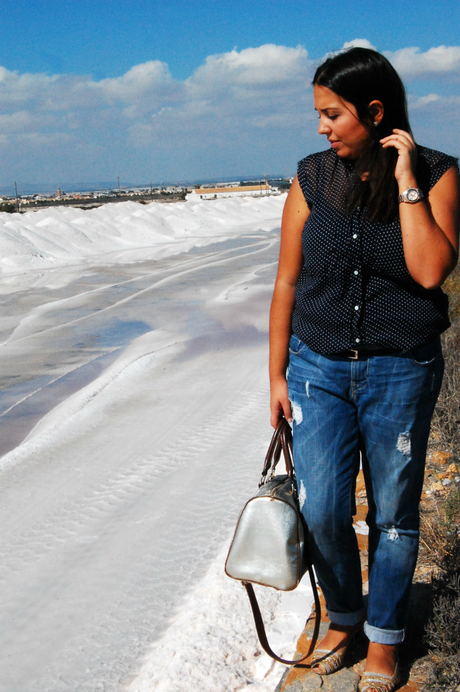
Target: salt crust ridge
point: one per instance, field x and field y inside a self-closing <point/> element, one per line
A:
<point x="126" y="231"/>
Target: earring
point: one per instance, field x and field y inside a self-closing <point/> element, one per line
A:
<point x="375" y="123"/>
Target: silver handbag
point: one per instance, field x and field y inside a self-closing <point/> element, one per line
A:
<point x="268" y="546"/>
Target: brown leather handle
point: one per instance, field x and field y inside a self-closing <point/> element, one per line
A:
<point x="281" y="440"/>
<point x="286" y="442"/>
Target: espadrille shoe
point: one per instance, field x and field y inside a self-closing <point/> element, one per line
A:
<point x="325" y="662"/>
<point x="378" y="682"/>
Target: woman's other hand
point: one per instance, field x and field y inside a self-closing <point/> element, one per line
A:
<point x="279" y="401"/>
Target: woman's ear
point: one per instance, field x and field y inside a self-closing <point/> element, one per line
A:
<point x="376" y="112"/>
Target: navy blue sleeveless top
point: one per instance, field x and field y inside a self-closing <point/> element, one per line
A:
<point x="355" y="288"/>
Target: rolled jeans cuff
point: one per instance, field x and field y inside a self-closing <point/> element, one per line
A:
<point x="379" y="636"/>
<point x="346" y="618"/>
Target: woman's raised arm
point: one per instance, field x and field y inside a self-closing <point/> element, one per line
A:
<point x="295" y="214"/>
<point x="430" y="228"/>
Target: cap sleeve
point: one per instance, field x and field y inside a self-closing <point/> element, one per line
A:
<point x="307" y="179"/>
<point x="431" y="166"/>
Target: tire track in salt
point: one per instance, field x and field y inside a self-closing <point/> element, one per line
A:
<point x="57" y="379"/>
<point x="107" y="499"/>
<point x="204" y="264"/>
<point x="141" y="475"/>
<point x="261" y="246"/>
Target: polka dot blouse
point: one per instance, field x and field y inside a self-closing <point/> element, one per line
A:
<point x="355" y="289"/>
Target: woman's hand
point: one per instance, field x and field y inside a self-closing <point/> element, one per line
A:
<point x="430" y="228"/>
<point x="279" y="401"/>
<point x="407" y="157"/>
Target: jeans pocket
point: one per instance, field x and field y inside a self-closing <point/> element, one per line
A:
<point x="427" y="353"/>
<point x="296" y="345"/>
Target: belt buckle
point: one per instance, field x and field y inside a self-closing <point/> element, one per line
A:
<point x="355" y="353"/>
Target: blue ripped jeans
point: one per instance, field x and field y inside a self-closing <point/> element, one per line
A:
<point x="378" y="410"/>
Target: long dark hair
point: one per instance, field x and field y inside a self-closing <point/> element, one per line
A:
<point x="359" y="76"/>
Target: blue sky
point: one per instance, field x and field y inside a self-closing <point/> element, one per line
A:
<point x="181" y="90"/>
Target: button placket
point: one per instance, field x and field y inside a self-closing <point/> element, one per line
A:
<point x="356" y="278"/>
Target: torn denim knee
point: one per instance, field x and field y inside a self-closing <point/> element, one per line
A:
<point x="404" y="443"/>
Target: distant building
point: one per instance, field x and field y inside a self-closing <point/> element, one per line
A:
<point x="236" y="191"/>
<point x="235" y="184"/>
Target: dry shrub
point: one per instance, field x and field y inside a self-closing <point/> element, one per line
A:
<point x="452" y="287"/>
<point x="443" y="636"/>
<point x="435" y="540"/>
<point x="451" y="508"/>
<point x="441" y="536"/>
<point x="446" y="418"/>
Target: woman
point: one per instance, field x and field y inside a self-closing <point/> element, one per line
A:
<point x="369" y="234"/>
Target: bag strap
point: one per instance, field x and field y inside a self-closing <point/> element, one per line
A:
<point x="261" y="627"/>
<point x="281" y="440"/>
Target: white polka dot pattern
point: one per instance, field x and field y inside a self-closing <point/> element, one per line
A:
<point x="355" y="288"/>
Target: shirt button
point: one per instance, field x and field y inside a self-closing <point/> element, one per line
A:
<point x="357" y="340"/>
<point x="356" y="307"/>
<point x="355" y="272"/>
<point x="355" y="235"/>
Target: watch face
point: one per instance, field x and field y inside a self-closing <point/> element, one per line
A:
<point x="412" y="194"/>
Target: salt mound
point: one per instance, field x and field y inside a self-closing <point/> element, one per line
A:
<point x="66" y="235"/>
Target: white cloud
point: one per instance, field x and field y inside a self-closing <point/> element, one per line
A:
<point x="423" y="101"/>
<point x="267" y="65"/>
<point x="148" y="84"/>
<point x="247" y="85"/>
<point x="236" y="79"/>
<point x="435" y="121"/>
<point x="235" y="110"/>
<point x="359" y="43"/>
<point x="16" y="122"/>
<point x="18" y="88"/>
<point x="411" y="63"/>
<point x="417" y="102"/>
<point x="234" y="100"/>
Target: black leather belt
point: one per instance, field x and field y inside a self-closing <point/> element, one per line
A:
<point x="365" y="353"/>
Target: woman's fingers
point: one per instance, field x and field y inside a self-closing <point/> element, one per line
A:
<point x="279" y="405"/>
<point x="278" y="410"/>
<point x="399" y="139"/>
<point x="399" y="133"/>
<point x="407" y="152"/>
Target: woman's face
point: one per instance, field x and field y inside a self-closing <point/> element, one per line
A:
<point x="338" y="120"/>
